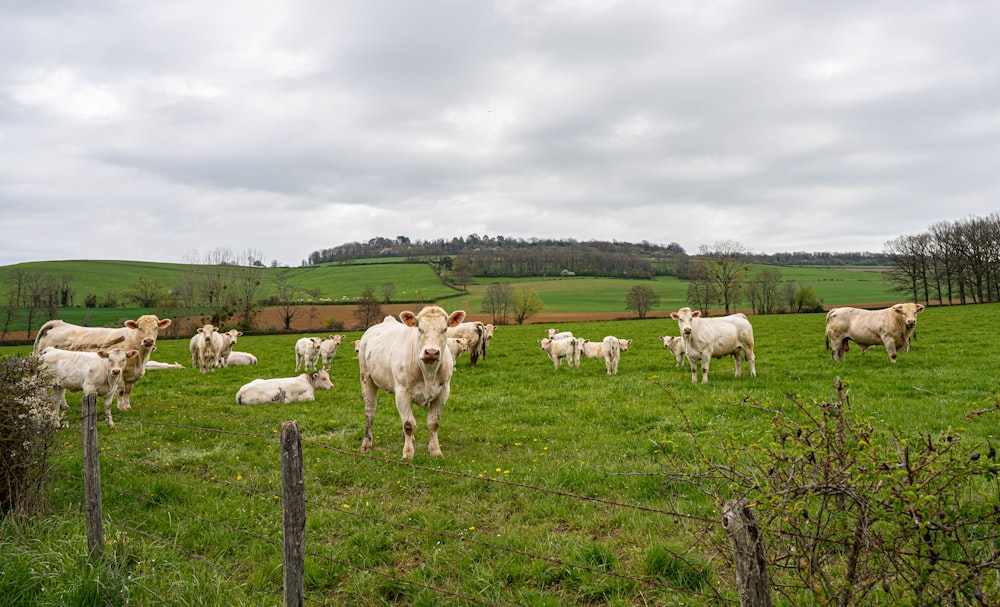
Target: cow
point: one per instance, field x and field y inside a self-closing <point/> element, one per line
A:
<point x="327" y="348"/>
<point x="139" y="334"/>
<point x="557" y="334"/>
<point x="284" y="389"/>
<point x="152" y="364"/>
<point x="357" y="346"/>
<point x="457" y="345"/>
<point x="241" y="358"/>
<point x="708" y="338"/>
<point x="229" y="339"/>
<point x="205" y="347"/>
<point x="473" y="333"/>
<point x="307" y="353"/>
<point x="891" y="327"/>
<point x="613" y="348"/>
<point x="410" y="359"/>
<point x="96" y="373"/>
<point x="558" y="349"/>
<point x="676" y="346"/>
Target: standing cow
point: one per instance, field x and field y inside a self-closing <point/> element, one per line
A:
<point x="890" y="327"/>
<point x="327" y="349"/>
<point x="474" y="333"/>
<point x="95" y="373"/>
<point x="410" y="359"/>
<point x="675" y="345"/>
<point x="307" y="353"/>
<point x="708" y="338"/>
<point x="139" y="334"/>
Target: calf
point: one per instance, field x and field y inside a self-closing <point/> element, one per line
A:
<point x="410" y="359"/>
<point x="613" y="348"/>
<point x="558" y="349"/>
<point x="457" y="345"/>
<point x="205" y="347"/>
<point x="284" y="389"/>
<point x="474" y="335"/>
<point x="307" y="353"/>
<point x="229" y="339"/>
<point x="675" y="345"/>
<point x="557" y="334"/>
<point x="708" y="338"/>
<point x="891" y="327"/>
<point x="88" y="372"/>
<point x="241" y="358"/>
<point x="327" y="348"/>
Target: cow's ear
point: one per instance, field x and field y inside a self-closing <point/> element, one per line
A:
<point x="408" y="318"/>
<point x="920" y="308"/>
<point x="696" y="314"/>
<point x="132" y="353"/>
<point x="898" y="308"/>
<point x="164" y="323"/>
<point x="102" y="354"/>
<point x="674" y="315"/>
<point x="456" y="318"/>
<point x="131" y="324"/>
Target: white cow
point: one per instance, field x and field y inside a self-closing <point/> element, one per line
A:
<point x="357" y="346"/>
<point x="457" y="345"/>
<point x="676" y="345"/>
<point x="613" y="348"/>
<point x="284" y="389"/>
<point x="139" y="334"/>
<point x="206" y="347"/>
<point x="229" y="339"/>
<point x="307" y="353"/>
<point x="488" y="330"/>
<point x="327" y="349"/>
<point x="708" y="338"/>
<point x="241" y="358"/>
<point x="890" y="327"/>
<point x="474" y="334"/>
<point x="410" y="359"/>
<point x="152" y="364"/>
<point x="589" y="349"/>
<point x="557" y="334"/>
<point x="558" y="349"/>
<point x="88" y="372"/>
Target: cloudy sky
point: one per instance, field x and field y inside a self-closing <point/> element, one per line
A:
<point x="158" y="130"/>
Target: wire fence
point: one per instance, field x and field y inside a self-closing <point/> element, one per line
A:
<point x="282" y="509"/>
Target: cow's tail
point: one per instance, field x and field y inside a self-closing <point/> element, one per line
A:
<point x="42" y="332"/>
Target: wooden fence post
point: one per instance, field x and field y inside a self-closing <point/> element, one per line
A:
<point x="752" y="579"/>
<point x="293" y="514"/>
<point x="92" y="477"/>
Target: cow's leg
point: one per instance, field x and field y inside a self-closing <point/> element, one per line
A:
<point x="369" y="391"/>
<point x="433" y="418"/>
<point x="107" y="411"/>
<point x="694" y="369"/>
<point x="704" y="368"/>
<point x="890" y="346"/>
<point x="124" y="392"/>
<point x="752" y="359"/>
<point x="57" y="401"/>
<point x="738" y="358"/>
<point x="404" y="404"/>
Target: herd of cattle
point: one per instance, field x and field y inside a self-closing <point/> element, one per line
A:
<point x="412" y="357"/>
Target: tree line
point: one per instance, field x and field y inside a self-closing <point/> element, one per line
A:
<point x="951" y="262"/>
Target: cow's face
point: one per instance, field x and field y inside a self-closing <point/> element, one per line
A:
<point x="117" y="358"/>
<point x="684" y="316"/>
<point x="545" y="343"/>
<point x="432" y="324"/>
<point x="909" y="312"/>
<point x="148" y="326"/>
<point x="321" y="380"/>
<point x="625" y="343"/>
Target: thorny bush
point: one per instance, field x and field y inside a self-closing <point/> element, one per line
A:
<point x="852" y="513"/>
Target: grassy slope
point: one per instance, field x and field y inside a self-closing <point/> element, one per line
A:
<point x="512" y="418"/>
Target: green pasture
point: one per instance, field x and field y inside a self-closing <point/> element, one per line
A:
<point x="191" y="479"/>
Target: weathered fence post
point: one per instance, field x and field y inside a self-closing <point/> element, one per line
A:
<point x="293" y="514"/>
<point x="752" y="579"/>
<point x="92" y="477"/>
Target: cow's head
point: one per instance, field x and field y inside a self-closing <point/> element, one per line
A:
<point x="909" y="312"/>
<point x="116" y="358"/>
<point x="432" y="323"/>
<point x="625" y="343"/>
<point x="545" y="343"/>
<point x="147" y="327"/>
<point x="320" y="380"/>
<point x="684" y="316"/>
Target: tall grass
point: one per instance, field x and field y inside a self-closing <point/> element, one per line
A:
<point x="512" y="423"/>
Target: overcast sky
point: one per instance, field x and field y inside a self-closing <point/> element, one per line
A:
<point x="158" y="130"/>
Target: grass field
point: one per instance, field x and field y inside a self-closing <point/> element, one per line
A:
<point x="191" y="478"/>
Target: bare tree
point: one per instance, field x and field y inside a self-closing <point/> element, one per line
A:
<point x="910" y="257"/>
<point x="642" y="299"/>
<point x="368" y="311"/>
<point x="247" y="281"/>
<point x="762" y="290"/>
<point x="285" y="295"/>
<point x="388" y="291"/>
<point x="726" y="264"/>
<point x="146" y="292"/>
<point x="701" y="293"/>
<point x="498" y="301"/>
<point x="525" y="303"/>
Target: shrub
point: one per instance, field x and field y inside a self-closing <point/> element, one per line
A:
<point x="26" y="432"/>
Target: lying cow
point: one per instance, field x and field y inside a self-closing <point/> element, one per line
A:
<point x="241" y="358"/>
<point x="284" y="389"/>
<point x="139" y="334"/>
<point x="307" y="353"/>
<point x="708" y="338"/>
<point x="891" y="327"/>
<point x="559" y="349"/>
<point x="88" y="372"/>
<point x="410" y="359"/>
<point x="676" y="346"/>
<point x="557" y="334"/>
<point x="152" y="364"/>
